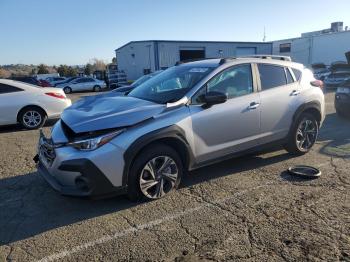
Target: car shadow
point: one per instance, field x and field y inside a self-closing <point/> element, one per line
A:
<point x="29" y="206"/>
<point x="234" y="166"/>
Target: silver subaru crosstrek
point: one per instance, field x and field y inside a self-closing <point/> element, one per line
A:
<point x="189" y="116"/>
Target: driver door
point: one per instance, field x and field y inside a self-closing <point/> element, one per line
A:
<point x="229" y="127"/>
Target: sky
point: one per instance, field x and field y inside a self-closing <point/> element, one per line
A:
<point x="72" y="32"/>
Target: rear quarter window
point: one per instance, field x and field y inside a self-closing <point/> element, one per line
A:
<point x="297" y="74"/>
<point x="4" y="89"/>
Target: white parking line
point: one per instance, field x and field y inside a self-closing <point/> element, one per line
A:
<point x="141" y="227"/>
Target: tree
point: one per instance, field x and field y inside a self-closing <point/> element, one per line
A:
<point x="97" y="64"/>
<point x="4" y="73"/>
<point x="88" y="69"/>
<point x="114" y="60"/>
<point x="63" y="70"/>
<point x="72" y="71"/>
<point x="42" y="69"/>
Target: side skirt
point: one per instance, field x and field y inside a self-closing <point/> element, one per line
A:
<point x="273" y="146"/>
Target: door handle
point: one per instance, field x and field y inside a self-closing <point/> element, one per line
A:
<point x="295" y="93"/>
<point x="253" y="105"/>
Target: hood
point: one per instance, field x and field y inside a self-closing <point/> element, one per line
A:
<point x="108" y="111"/>
<point x="123" y="89"/>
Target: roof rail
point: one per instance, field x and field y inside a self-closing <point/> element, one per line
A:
<point x="226" y="59"/>
<point x="277" y="57"/>
<point x="193" y="60"/>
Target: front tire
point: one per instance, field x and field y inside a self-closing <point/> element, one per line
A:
<point x="303" y="134"/>
<point x="156" y="171"/>
<point x="32" y="118"/>
<point x="67" y="90"/>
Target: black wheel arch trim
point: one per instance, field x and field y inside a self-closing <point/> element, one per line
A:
<point x="315" y="105"/>
<point x="169" y="132"/>
<point x="309" y="105"/>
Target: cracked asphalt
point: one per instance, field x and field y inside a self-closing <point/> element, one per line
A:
<point x="247" y="208"/>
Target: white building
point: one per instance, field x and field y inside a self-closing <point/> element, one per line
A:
<point x="324" y="46"/>
<point x="137" y="58"/>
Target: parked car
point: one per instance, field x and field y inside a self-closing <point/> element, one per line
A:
<point x="29" y="105"/>
<point x="44" y="83"/>
<point x="69" y="79"/>
<point x="82" y="84"/>
<point x="189" y="116"/>
<point x="342" y="99"/>
<point x="141" y="80"/>
<point x="336" y="78"/>
<point x="55" y="80"/>
<point x="320" y="70"/>
<point x="27" y="79"/>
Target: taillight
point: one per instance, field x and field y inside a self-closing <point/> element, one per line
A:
<point x="57" y="95"/>
<point x="317" y="83"/>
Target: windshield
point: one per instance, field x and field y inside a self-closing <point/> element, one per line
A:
<point x="170" y="85"/>
<point x="141" y="80"/>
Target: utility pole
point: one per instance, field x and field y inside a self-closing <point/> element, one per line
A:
<point x="264" y="38"/>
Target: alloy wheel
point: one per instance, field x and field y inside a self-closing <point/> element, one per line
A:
<point x="158" y="177"/>
<point x="306" y="134"/>
<point x="32" y="119"/>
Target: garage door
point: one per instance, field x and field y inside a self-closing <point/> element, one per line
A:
<point x="244" y="51"/>
<point x="191" y="53"/>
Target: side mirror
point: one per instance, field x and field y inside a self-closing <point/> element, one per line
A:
<point x="213" y="98"/>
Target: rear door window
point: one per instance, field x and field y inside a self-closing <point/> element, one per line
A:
<point x="271" y="76"/>
<point x="289" y="76"/>
<point x="4" y="89"/>
<point x="80" y="80"/>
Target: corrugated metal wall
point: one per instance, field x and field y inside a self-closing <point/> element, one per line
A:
<point x="136" y="57"/>
<point x="300" y="49"/>
<point x="330" y="47"/>
<point x="169" y="53"/>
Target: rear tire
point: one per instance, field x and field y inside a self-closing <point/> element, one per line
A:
<point x="155" y="172"/>
<point x="67" y="90"/>
<point x="32" y="117"/>
<point x="303" y="134"/>
<point x="97" y="88"/>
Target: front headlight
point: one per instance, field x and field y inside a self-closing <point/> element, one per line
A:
<point x="94" y="143"/>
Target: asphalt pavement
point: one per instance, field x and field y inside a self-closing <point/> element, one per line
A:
<point x="248" y="208"/>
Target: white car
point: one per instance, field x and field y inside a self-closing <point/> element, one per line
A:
<point x="29" y="105"/>
<point x="82" y="84"/>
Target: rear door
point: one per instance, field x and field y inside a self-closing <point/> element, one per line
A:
<point x="78" y="84"/>
<point x="279" y="91"/>
<point x="10" y="103"/>
<point x="89" y="84"/>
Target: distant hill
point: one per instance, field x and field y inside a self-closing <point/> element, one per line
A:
<point x="21" y="70"/>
